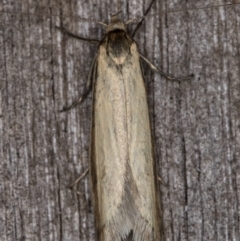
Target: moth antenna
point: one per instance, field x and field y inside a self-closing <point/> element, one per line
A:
<point x="115" y="14"/>
<point x="113" y="17"/>
<point x="143" y="18"/>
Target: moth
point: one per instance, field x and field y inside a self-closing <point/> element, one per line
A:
<point x="123" y="176"/>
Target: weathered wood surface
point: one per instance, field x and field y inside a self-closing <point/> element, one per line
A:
<point x="196" y="124"/>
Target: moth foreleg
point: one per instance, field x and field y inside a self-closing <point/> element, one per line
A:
<point x="93" y="41"/>
<point x="154" y="68"/>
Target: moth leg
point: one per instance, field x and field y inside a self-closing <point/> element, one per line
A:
<point x="92" y="41"/>
<point x="87" y="88"/>
<point x="154" y="68"/>
<point x="79" y="178"/>
<point x="141" y="22"/>
<point x="161" y="180"/>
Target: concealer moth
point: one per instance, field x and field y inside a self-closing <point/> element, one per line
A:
<point x="123" y="179"/>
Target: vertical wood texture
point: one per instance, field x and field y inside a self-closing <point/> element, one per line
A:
<point x="196" y="124"/>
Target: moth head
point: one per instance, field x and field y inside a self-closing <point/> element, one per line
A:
<point x="115" y="23"/>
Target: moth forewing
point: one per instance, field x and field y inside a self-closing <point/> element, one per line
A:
<point x="123" y="179"/>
